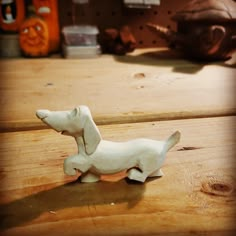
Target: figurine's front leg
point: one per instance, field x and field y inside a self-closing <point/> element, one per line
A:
<point x="76" y="162"/>
<point x="89" y="177"/>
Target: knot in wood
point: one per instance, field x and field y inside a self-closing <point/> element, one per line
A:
<point x="221" y="187"/>
<point x="139" y="75"/>
<point x="215" y="186"/>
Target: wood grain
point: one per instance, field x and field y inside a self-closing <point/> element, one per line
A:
<point x="196" y="196"/>
<point x="142" y="86"/>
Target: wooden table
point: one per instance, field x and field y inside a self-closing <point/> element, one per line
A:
<point x="144" y="94"/>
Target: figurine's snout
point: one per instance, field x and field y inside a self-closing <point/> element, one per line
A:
<point x="42" y="114"/>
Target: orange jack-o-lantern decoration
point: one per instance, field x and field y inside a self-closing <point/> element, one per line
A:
<point x="34" y="39"/>
<point x="48" y="10"/>
<point x="12" y="14"/>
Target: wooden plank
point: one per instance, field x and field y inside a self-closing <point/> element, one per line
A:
<point x="143" y="86"/>
<point x="195" y="196"/>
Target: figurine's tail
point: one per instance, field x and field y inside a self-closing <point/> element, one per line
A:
<point x="172" y="141"/>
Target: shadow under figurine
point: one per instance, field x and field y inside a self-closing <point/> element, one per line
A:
<point x="141" y="158"/>
<point x="206" y="30"/>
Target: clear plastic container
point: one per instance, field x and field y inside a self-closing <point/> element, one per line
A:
<point x="81" y="51"/>
<point x="80" y="35"/>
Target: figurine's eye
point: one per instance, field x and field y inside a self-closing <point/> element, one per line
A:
<point x="74" y="112"/>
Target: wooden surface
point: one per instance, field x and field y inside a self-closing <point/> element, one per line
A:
<point x="149" y="93"/>
<point x="144" y="86"/>
<point x="196" y="196"/>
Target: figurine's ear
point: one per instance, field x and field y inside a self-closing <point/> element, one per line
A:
<point x="91" y="133"/>
<point x="75" y="112"/>
<point x="216" y="35"/>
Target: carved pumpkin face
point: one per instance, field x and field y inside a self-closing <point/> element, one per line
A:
<point x="34" y="37"/>
<point x="12" y="13"/>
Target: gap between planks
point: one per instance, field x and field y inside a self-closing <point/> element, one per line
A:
<point x="15" y="126"/>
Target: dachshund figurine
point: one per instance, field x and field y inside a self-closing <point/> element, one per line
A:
<point x="141" y="158"/>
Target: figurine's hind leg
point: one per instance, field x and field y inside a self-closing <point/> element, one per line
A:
<point x="156" y="173"/>
<point x="89" y="177"/>
<point x="146" y="168"/>
<point x="137" y="175"/>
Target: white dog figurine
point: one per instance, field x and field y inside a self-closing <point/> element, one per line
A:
<point x="141" y="158"/>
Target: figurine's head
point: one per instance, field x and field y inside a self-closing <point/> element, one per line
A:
<point x="75" y="123"/>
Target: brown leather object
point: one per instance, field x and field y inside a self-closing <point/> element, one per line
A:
<point x="118" y="42"/>
<point x="212" y="10"/>
<point x="206" y="30"/>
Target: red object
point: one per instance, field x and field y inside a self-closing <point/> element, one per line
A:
<point x="12" y="14"/>
<point x="48" y="10"/>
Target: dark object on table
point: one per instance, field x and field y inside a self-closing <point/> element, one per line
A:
<point x="118" y="42"/>
<point x="206" y="29"/>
